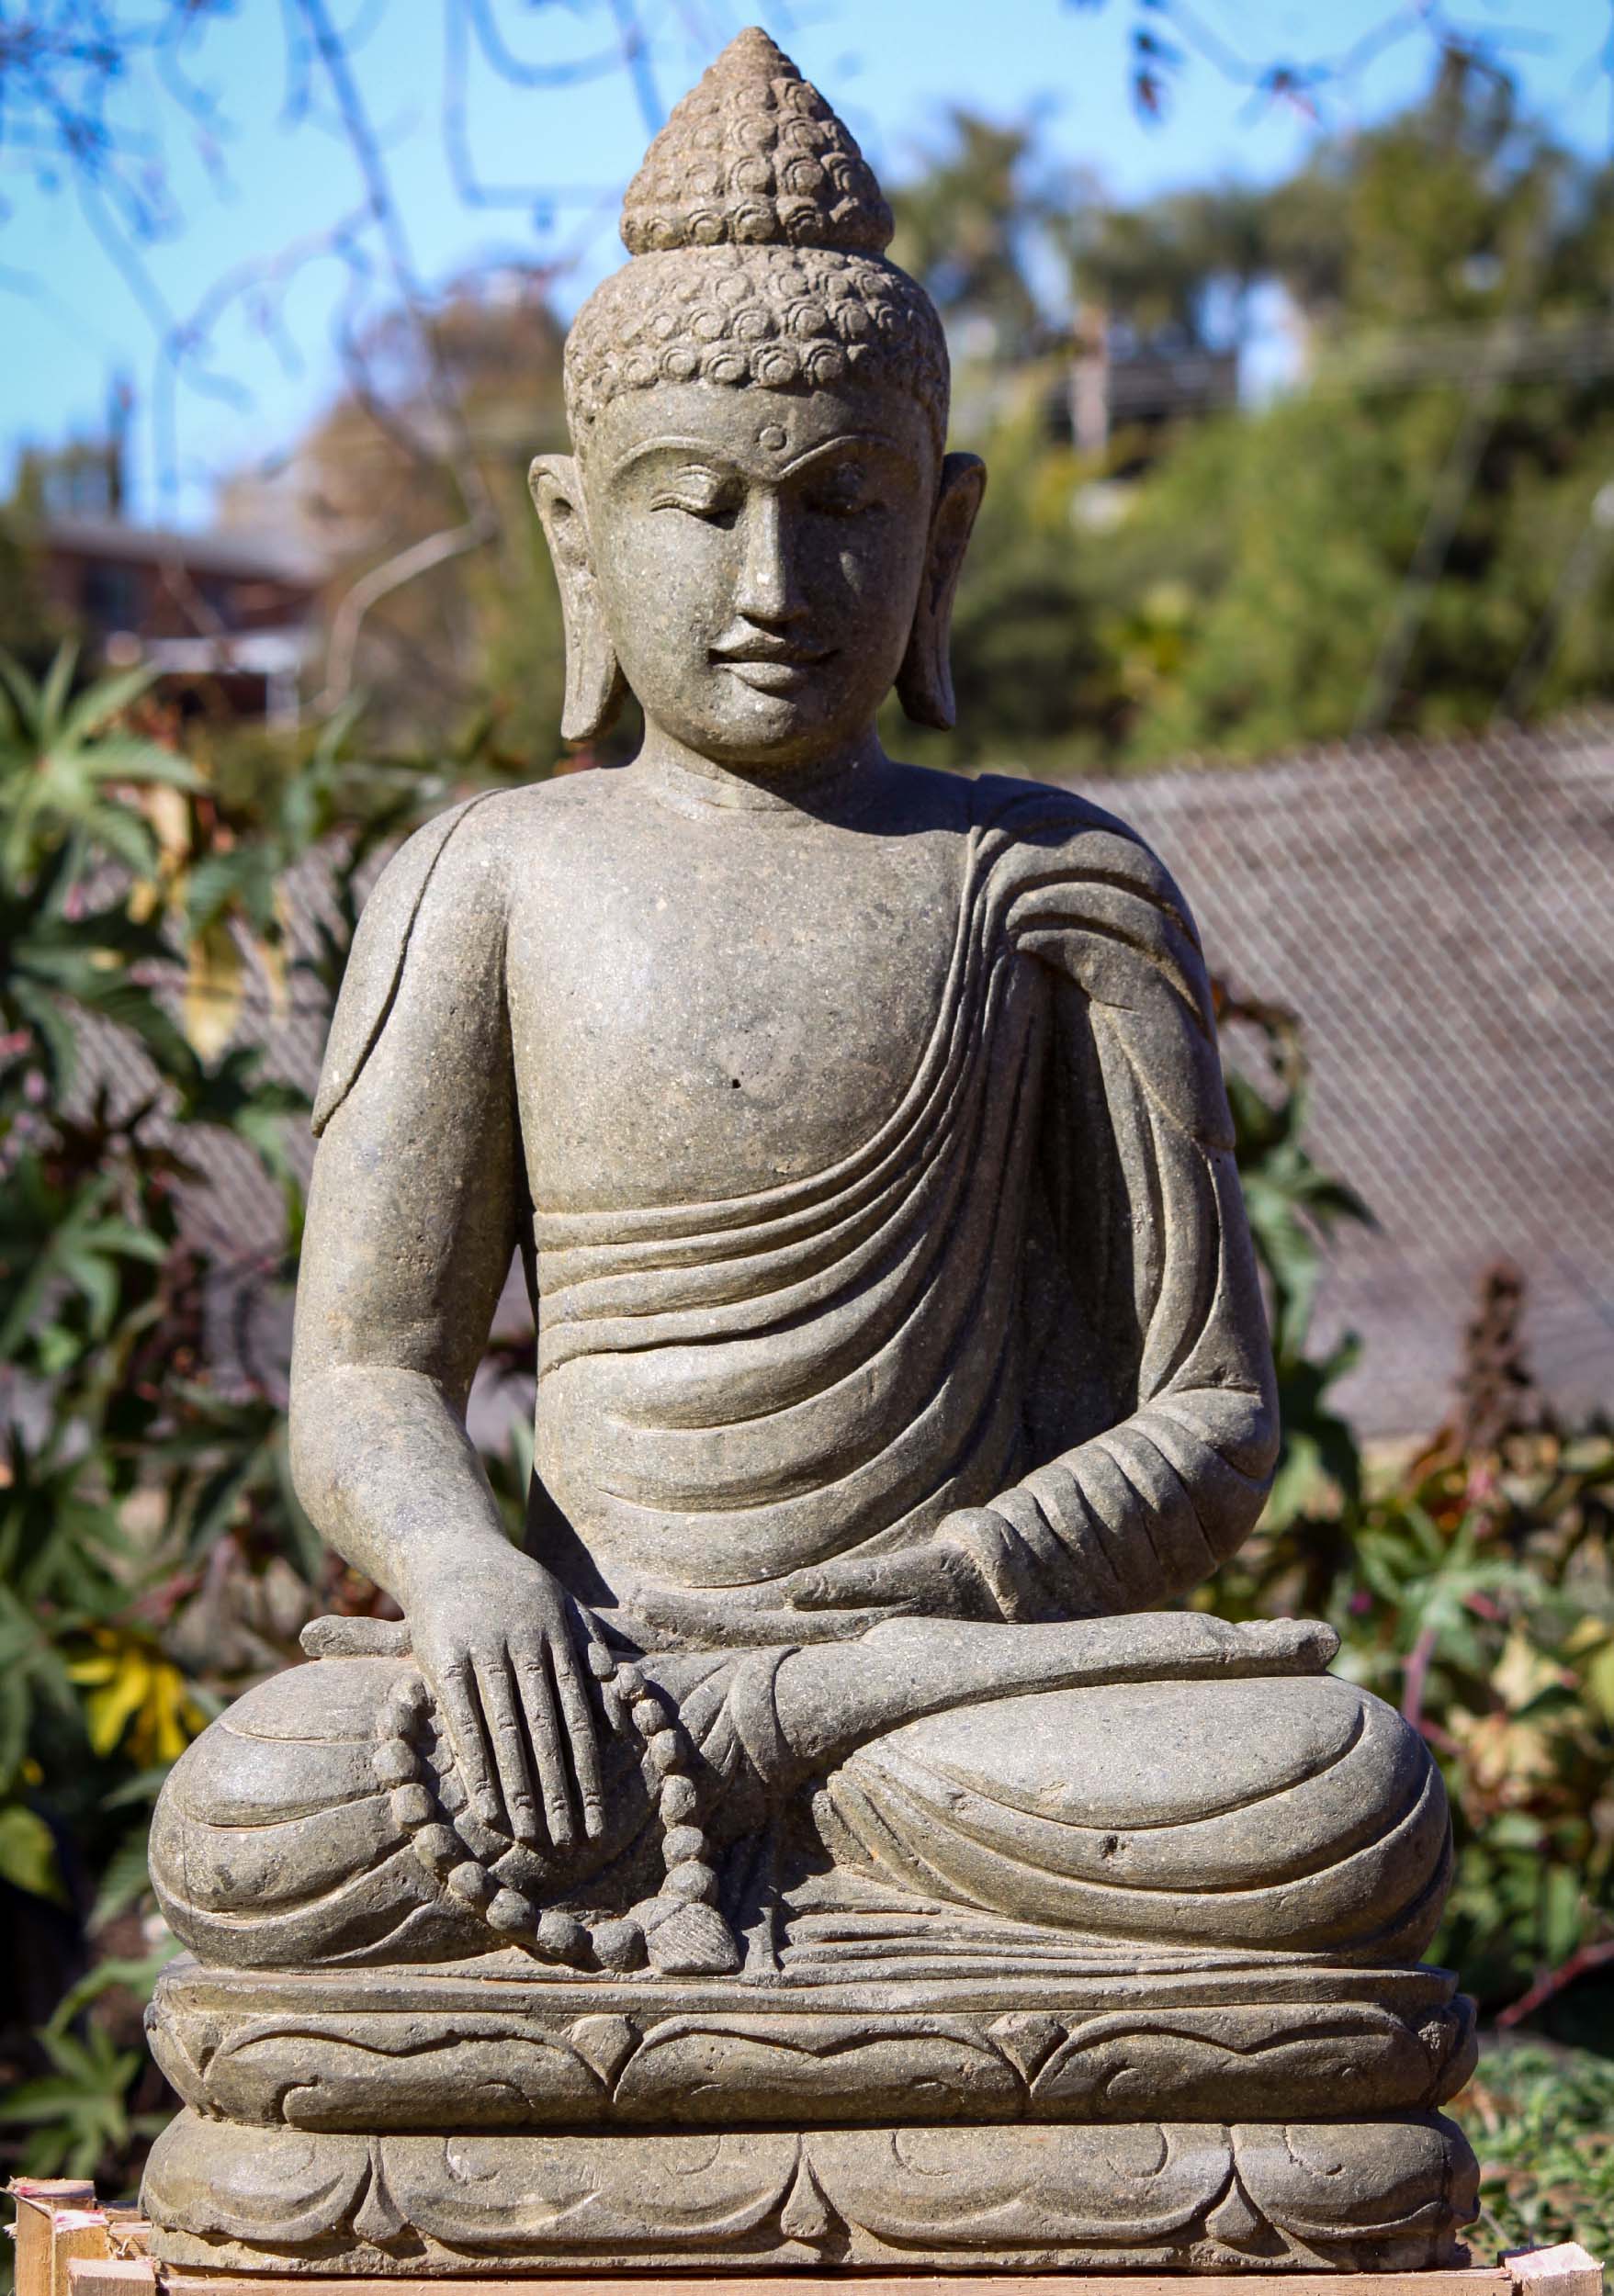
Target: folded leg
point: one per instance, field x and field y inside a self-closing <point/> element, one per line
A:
<point x="1270" y="1815"/>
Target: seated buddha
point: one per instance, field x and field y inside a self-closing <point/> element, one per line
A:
<point x="900" y="1347"/>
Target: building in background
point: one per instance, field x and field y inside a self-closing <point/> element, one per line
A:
<point x="226" y="616"/>
<point x="223" y="609"/>
<point x="1130" y="394"/>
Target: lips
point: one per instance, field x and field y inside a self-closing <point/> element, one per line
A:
<point x="770" y="669"/>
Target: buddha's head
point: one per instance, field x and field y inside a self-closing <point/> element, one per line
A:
<point x="759" y="532"/>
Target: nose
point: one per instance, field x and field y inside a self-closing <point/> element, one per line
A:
<point x="767" y="592"/>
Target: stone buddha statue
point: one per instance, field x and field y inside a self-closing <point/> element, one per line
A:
<point x="821" y="1764"/>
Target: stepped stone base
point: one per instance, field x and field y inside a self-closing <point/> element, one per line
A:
<point x="1198" y="2115"/>
<point x="1386" y="2195"/>
<point x="415" y="2051"/>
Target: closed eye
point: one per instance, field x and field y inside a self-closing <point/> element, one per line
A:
<point x="699" y="494"/>
<point x="846" y="501"/>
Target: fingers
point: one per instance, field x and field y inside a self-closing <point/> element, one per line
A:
<point x="816" y="1590"/>
<point x="927" y="1574"/>
<point x="580" y="1730"/>
<point x="532" y="1675"/>
<point x="457" y="1700"/>
<point x="520" y="1718"/>
<point x="1305" y="1645"/>
<point x="504" y="1728"/>
<point x="1256" y="1647"/>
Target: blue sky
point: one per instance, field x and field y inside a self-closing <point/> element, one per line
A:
<point x="69" y="317"/>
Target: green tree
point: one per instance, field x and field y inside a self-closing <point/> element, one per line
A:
<point x="968" y="228"/>
<point x="1447" y="270"/>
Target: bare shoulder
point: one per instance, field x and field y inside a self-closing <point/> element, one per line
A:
<point x="482" y="850"/>
<point x="549" y="824"/>
<point x="438" y="913"/>
<point x="497" y="827"/>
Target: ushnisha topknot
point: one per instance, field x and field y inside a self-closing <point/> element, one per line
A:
<point x="754" y="157"/>
<point x="756" y="230"/>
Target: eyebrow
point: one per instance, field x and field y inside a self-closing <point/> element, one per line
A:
<point x="710" y="453"/>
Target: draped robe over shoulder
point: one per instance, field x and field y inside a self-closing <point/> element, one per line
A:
<point x="1031" y="1288"/>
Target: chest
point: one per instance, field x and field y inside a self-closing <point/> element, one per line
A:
<point x="718" y="1007"/>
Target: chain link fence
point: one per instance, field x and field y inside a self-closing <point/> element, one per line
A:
<point x="1441" y="918"/>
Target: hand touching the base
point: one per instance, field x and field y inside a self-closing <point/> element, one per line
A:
<point x="502" y="1649"/>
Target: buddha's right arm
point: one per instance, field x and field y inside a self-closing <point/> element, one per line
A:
<point x="403" y="1263"/>
<point x="412" y="1217"/>
<point x="411" y="1222"/>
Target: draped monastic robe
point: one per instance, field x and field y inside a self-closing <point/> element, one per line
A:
<point x="904" y="1219"/>
<point x="1030" y="1286"/>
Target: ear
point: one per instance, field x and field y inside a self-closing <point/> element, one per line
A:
<point x="595" y="685"/>
<point x="924" y="683"/>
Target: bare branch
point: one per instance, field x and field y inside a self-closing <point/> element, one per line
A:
<point x="635" y="56"/>
<point x="481" y="524"/>
<point x="392" y="574"/>
<point x="389" y="222"/>
<point x="357" y="371"/>
<point x="1299" y="80"/>
<point x="459" y="18"/>
<point x="520" y="74"/>
<point x="1549" y="1982"/>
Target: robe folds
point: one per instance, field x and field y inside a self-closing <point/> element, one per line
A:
<point x="1031" y="1289"/>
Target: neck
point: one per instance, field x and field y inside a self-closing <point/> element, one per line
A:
<point x="806" y="787"/>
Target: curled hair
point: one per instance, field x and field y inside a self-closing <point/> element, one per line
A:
<point x="783" y="319"/>
<point x="753" y="156"/>
<point x="757" y="230"/>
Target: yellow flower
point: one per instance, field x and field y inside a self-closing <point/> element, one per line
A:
<point x="135" y="1695"/>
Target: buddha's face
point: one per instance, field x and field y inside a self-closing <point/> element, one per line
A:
<point x="757" y="557"/>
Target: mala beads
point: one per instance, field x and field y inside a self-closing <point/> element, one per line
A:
<point x="679" y="1930"/>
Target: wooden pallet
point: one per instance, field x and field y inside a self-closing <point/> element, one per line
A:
<point x="68" y="2245"/>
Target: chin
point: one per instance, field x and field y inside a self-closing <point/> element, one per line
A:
<point x="771" y="730"/>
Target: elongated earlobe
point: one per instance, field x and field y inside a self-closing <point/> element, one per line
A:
<point x="595" y="685"/>
<point x="924" y="683"/>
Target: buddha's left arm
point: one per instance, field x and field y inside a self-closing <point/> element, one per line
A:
<point x="1147" y="1206"/>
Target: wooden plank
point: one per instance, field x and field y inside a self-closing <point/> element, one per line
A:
<point x="76" y="2235"/>
<point x="1470" y="2282"/>
<point x="1563" y="2270"/>
<point x="111" y="2276"/>
<point x="38" y="2198"/>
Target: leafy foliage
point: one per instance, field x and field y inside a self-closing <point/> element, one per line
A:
<point x="1226" y="582"/>
<point x="77" y="2113"/>
<point x="1541" y="2121"/>
<point x="153" y="1555"/>
<point x="1473" y="1586"/>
